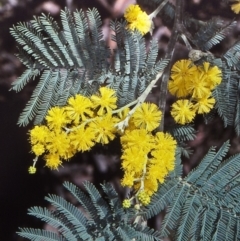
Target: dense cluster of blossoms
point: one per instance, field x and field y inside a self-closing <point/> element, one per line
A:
<point x="137" y="19"/>
<point x="193" y="85"/>
<point x="76" y="127"/>
<point x="147" y="158"/>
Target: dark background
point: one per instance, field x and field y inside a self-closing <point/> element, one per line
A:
<point x="20" y="190"/>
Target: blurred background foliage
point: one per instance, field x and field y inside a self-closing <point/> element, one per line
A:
<point x="18" y="189"/>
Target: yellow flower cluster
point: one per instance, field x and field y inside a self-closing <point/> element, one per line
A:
<point x="147" y="158"/>
<point x="76" y="127"/>
<point x="236" y="7"/>
<point x="194" y="85"/>
<point x="137" y="19"/>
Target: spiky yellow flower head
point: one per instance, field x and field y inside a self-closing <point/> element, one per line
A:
<point x="128" y="179"/>
<point x="236" y="7"/>
<point x="133" y="160"/>
<point x="138" y="19"/>
<point x="58" y="142"/>
<point x="79" y="108"/>
<point x="82" y="138"/>
<point x="147" y="116"/>
<point x="182" y="72"/>
<point x="105" y="100"/>
<point x="38" y="149"/>
<point x="164" y="141"/>
<point x="131" y="12"/>
<point x="126" y="203"/>
<point x="204" y="104"/>
<point x="212" y="75"/>
<point x="56" y="118"/>
<point x="183" y="111"/>
<point x="139" y="137"/>
<point x="104" y="128"/>
<point x="53" y="161"/>
<point x="32" y="170"/>
<point x="198" y="86"/>
<point x="151" y="180"/>
<point x="39" y="134"/>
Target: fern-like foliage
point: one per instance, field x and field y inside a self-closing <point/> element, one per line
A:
<point x="211" y="33"/>
<point x="107" y="220"/>
<point x="74" y="60"/>
<point x="182" y="134"/>
<point x="205" y="205"/>
<point x="226" y="95"/>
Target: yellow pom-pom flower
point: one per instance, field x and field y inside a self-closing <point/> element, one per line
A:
<point x="58" y="142"/>
<point x="134" y="160"/>
<point x="106" y="100"/>
<point x="79" y="108"/>
<point x="138" y="19"/>
<point x="53" y="161"/>
<point x="147" y="116"/>
<point x="128" y="179"/>
<point x="204" y="104"/>
<point x="38" y="149"/>
<point x="183" y="111"/>
<point x="165" y="141"/>
<point x="82" y="138"/>
<point x="56" y="118"/>
<point x="212" y="75"/>
<point x="182" y="72"/>
<point x="142" y="24"/>
<point x="198" y="86"/>
<point x="104" y="128"/>
<point x="131" y="12"/>
<point x="39" y="134"/>
<point x="139" y="137"/>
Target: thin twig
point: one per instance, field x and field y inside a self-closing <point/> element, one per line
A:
<point x="123" y="124"/>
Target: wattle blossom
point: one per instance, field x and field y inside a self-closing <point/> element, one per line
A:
<point x="182" y="72"/>
<point x="138" y="19"/>
<point x="38" y="134"/>
<point x="38" y="149"/>
<point x="212" y="75"/>
<point x="104" y="129"/>
<point x="82" y="138"/>
<point x="105" y="100"/>
<point x="183" y="111"/>
<point x="79" y="108"/>
<point x="147" y="116"/>
<point x="53" y="161"/>
<point x="56" y="118"/>
<point x="138" y="137"/>
<point x="205" y="104"/>
<point x="198" y="86"/>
